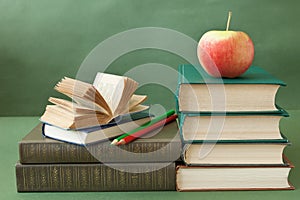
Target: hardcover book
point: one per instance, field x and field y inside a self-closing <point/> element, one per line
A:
<point x="231" y="126"/>
<point x="241" y="152"/>
<point x="255" y="90"/>
<point x="199" y="178"/>
<point x="95" y="177"/>
<point x="157" y="146"/>
<point x="100" y="133"/>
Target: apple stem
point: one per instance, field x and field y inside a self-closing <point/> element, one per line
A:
<point x="228" y="20"/>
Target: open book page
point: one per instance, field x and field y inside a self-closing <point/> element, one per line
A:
<point x="138" y="108"/>
<point x="130" y="87"/>
<point x="77" y="108"/>
<point x="111" y="87"/>
<point x="83" y="93"/>
<point x="64" y="118"/>
<point x="136" y="100"/>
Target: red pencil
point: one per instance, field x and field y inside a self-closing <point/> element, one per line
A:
<point x="142" y="132"/>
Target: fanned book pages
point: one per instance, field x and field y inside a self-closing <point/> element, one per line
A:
<point x="109" y="97"/>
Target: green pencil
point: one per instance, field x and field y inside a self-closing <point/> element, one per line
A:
<point x="153" y="121"/>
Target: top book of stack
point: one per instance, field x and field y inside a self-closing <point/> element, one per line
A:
<point x="254" y="91"/>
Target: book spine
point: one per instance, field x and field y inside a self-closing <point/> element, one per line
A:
<point x="53" y="153"/>
<point x="95" y="177"/>
<point x="176" y="96"/>
<point x="69" y="153"/>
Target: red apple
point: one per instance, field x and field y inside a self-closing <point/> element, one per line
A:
<point x="225" y="53"/>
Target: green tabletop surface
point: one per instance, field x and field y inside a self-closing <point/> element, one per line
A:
<point x="14" y="128"/>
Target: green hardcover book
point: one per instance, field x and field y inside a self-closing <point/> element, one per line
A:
<point x="238" y="152"/>
<point x="231" y="127"/>
<point x="211" y="178"/>
<point x="95" y="177"/>
<point x="157" y="146"/>
<point x="254" y="91"/>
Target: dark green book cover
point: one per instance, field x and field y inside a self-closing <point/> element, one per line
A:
<point x="183" y="115"/>
<point x="280" y="112"/>
<point x="254" y="75"/>
<point x="95" y="177"/>
<point x="266" y="141"/>
<point x="158" y="147"/>
<point x="189" y="74"/>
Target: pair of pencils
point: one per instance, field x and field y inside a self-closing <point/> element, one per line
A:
<point x="145" y="128"/>
<point x="140" y="133"/>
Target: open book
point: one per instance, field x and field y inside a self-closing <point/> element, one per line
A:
<point x="109" y="97"/>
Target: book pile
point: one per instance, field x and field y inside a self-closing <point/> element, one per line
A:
<point x="71" y="150"/>
<point x="230" y="131"/>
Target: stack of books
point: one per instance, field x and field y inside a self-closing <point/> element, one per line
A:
<point x="230" y="131"/>
<point x="70" y="151"/>
<point x="143" y="165"/>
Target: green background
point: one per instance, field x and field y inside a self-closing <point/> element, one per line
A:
<point x="41" y="41"/>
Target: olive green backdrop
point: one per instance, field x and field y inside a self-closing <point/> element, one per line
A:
<point x="41" y="41"/>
